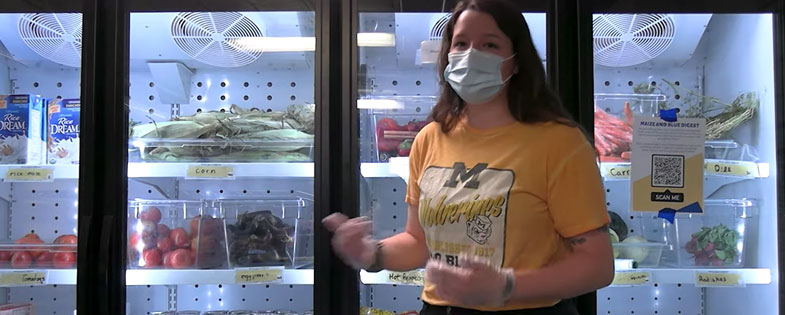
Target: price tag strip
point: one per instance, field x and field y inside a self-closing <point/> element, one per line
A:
<point x="29" y="174"/>
<point x="631" y="278"/>
<point x="210" y="172"/>
<point x="718" y="279"/>
<point x="258" y="275"/>
<point x="406" y="278"/>
<point x="23" y="278"/>
<point x="615" y="170"/>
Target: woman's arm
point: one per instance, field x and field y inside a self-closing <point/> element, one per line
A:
<point x="408" y="250"/>
<point x="588" y="267"/>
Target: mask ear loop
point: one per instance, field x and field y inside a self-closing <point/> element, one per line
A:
<point x="513" y="73"/>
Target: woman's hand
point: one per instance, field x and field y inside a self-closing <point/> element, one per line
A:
<point x="352" y="240"/>
<point x="474" y="282"/>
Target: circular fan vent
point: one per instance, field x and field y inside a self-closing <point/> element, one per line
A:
<point x="216" y="38"/>
<point x="438" y="28"/>
<point x="622" y="40"/>
<point x="57" y="37"/>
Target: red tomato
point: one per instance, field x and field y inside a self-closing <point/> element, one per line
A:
<point x="21" y="260"/>
<point x="44" y="260"/>
<point x="149" y="227"/>
<point x="181" y="259"/>
<point x="152" y="258"/>
<point x="151" y="214"/>
<point x="180" y="238"/>
<point x="31" y="239"/>
<point x="163" y="230"/>
<point x="5" y="256"/>
<point x="149" y="240"/>
<point x="64" y="260"/>
<point x="165" y="244"/>
<point x="168" y="260"/>
<point x="133" y="240"/>
<point x="66" y="239"/>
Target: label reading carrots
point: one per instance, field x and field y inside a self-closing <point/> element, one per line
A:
<point x="616" y="170"/>
<point x="258" y="275"/>
<point x="23" y="278"/>
<point x="29" y="174"/>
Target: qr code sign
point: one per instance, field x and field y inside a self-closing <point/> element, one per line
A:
<point x="667" y="170"/>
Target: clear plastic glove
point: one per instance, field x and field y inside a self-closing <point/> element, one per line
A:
<point x="352" y="240"/>
<point x="474" y="283"/>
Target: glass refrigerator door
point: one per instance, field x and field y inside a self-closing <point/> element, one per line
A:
<point x="40" y="63"/>
<point x="220" y="174"/>
<point x="713" y="66"/>
<point x="397" y="88"/>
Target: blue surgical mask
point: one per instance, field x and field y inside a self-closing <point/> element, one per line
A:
<point x="475" y="75"/>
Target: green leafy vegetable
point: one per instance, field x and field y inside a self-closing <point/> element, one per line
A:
<point x="716" y="246"/>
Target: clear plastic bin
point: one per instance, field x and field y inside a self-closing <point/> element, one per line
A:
<point x="175" y="234"/>
<point x="37" y="255"/>
<point x="730" y="220"/>
<point x="216" y="150"/>
<point x="274" y="232"/>
<point x="645" y="238"/>
<point x="645" y="254"/>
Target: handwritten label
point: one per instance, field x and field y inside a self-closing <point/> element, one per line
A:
<point x="29" y="174"/>
<point x="210" y="172"/>
<point x="631" y="278"/>
<point x="409" y="277"/>
<point x="718" y="279"/>
<point x="23" y="278"/>
<point x="616" y="170"/>
<point x="258" y="275"/>
<point x="731" y="168"/>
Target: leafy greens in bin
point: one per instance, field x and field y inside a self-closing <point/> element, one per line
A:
<point x="258" y="239"/>
<point x="714" y="246"/>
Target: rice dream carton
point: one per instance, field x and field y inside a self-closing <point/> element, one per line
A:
<point x="21" y="137"/>
<point x="62" y="141"/>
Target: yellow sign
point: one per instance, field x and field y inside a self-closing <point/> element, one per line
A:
<point x="616" y="170"/>
<point x="717" y="279"/>
<point x="731" y="168"/>
<point x="409" y="277"/>
<point x="631" y="278"/>
<point x="258" y="275"/>
<point x="22" y="278"/>
<point x="29" y="174"/>
<point x="210" y="172"/>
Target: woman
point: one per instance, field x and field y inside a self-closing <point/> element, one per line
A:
<point x="506" y="204"/>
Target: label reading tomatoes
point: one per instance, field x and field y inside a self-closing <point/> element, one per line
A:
<point x="29" y="174"/>
<point x="23" y="278"/>
<point x="210" y="172"/>
<point x="258" y="275"/>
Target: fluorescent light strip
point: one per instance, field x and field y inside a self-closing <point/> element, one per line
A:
<point x="301" y="44"/>
<point x="378" y="104"/>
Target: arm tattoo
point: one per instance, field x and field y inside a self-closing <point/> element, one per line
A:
<point x="581" y="239"/>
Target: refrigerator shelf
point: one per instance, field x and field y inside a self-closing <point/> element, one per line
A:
<point x="170" y="277"/>
<point x="747" y="276"/>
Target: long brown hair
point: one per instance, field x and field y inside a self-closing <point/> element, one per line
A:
<point x="530" y="100"/>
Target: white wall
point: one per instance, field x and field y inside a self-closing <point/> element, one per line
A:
<point x="739" y="58"/>
<point x="5" y="83"/>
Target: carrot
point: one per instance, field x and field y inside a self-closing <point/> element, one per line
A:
<point x="628" y="113"/>
<point x="626" y="155"/>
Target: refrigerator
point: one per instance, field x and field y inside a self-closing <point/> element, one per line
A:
<point x="187" y="152"/>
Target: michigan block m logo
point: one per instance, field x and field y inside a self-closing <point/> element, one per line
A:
<point x="459" y="174"/>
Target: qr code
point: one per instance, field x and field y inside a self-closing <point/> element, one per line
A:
<point x="667" y="170"/>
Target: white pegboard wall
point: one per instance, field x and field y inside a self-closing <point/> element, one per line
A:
<point x="63" y="82"/>
<point x="297" y="298"/>
<point x="388" y="206"/>
<point x="671" y="299"/>
<point x="215" y="89"/>
<point x="142" y="300"/>
<point x="47" y="300"/>
<point x="48" y="209"/>
<point x="396" y="298"/>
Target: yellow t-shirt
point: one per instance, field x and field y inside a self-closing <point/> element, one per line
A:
<point x="511" y="194"/>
